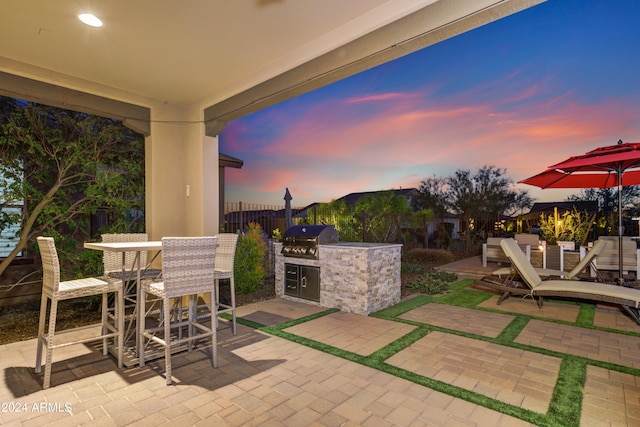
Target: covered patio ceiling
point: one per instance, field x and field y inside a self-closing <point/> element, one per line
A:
<point x="226" y="58"/>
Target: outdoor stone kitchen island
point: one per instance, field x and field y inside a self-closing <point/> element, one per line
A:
<point x="354" y="277"/>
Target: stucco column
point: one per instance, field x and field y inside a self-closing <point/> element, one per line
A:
<point x="201" y="178"/>
<point x="181" y="174"/>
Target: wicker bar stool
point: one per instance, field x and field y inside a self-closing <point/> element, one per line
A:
<point x="187" y="270"/>
<point x="225" y="256"/>
<point x="123" y="266"/>
<point x="55" y="290"/>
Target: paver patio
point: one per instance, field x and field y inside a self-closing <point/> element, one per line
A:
<point x="265" y="379"/>
<point x="261" y="380"/>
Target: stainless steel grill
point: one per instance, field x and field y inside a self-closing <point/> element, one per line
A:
<point x="302" y="241"/>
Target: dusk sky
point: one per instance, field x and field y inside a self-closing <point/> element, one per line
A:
<point x="521" y="93"/>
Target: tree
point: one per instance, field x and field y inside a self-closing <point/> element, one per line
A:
<point x="478" y="199"/>
<point x="432" y="195"/>
<point x="249" y="260"/>
<point x="573" y="226"/>
<point x="339" y="214"/>
<point x="431" y="200"/>
<point x="607" y="199"/>
<point x="382" y="210"/>
<point x="61" y="166"/>
<point x="377" y="212"/>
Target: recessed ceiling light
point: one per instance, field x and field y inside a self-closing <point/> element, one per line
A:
<point x="90" y="19"/>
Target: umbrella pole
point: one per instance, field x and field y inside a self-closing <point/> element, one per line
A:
<point x="621" y="280"/>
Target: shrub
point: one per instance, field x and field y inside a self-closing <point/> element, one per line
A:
<point x="433" y="282"/>
<point x="249" y="262"/>
<point x="428" y="256"/>
<point x="410" y="268"/>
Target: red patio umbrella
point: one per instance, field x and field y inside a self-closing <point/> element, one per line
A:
<point x="605" y="167"/>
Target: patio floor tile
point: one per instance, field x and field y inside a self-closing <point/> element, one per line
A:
<point x="610" y="398"/>
<point x="460" y="319"/>
<point x="352" y="332"/>
<point x="504" y="374"/>
<point x="612" y="317"/>
<point x="550" y="310"/>
<point x="277" y="310"/>
<point x="593" y="344"/>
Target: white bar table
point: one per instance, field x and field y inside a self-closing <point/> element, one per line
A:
<point x="125" y="247"/>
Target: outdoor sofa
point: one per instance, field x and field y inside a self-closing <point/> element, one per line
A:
<point x="492" y="251"/>
<point x="610" y="260"/>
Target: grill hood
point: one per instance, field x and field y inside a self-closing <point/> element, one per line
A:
<point x="302" y="241"/>
<point x="326" y="233"/>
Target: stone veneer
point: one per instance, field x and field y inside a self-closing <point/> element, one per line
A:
<point x="354" y="277"/>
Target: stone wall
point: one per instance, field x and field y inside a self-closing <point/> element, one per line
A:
<point x="571" y="259"/>
<point x="354" y="277"/>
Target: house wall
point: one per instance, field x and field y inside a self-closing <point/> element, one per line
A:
<point x="433" y="226"/>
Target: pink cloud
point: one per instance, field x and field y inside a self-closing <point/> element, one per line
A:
<point x="342" y="146"/>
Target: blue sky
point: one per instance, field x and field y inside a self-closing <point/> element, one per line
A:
<point x="521" y="93"/>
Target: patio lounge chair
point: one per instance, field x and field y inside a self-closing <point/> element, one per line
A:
<point x="627" y="298"/>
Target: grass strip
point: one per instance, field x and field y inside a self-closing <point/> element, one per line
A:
<point x="246" y="322"/>
<point x="294" y="322"/>
<point x="467" y="298"/>
<point x="513" y="329"/>
<point x="586" y="315"/>
<point x="403" y="307"/>
<point x="398" y="345"/>
<point x="566" y="403"/>
<point x="255" y="325"/>
<point x="461" y="284"/>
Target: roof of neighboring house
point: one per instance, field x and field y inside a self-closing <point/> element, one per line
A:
<point x="588" y="206"/>
<point x="548" y="207"/>
<point x="255" y="215"/>
<point x="227" y="161"/>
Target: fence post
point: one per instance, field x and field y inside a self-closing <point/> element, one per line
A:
<point x="364" y="226"/>
<point x="240" y="216"/>
<point x="426" y="231"/>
